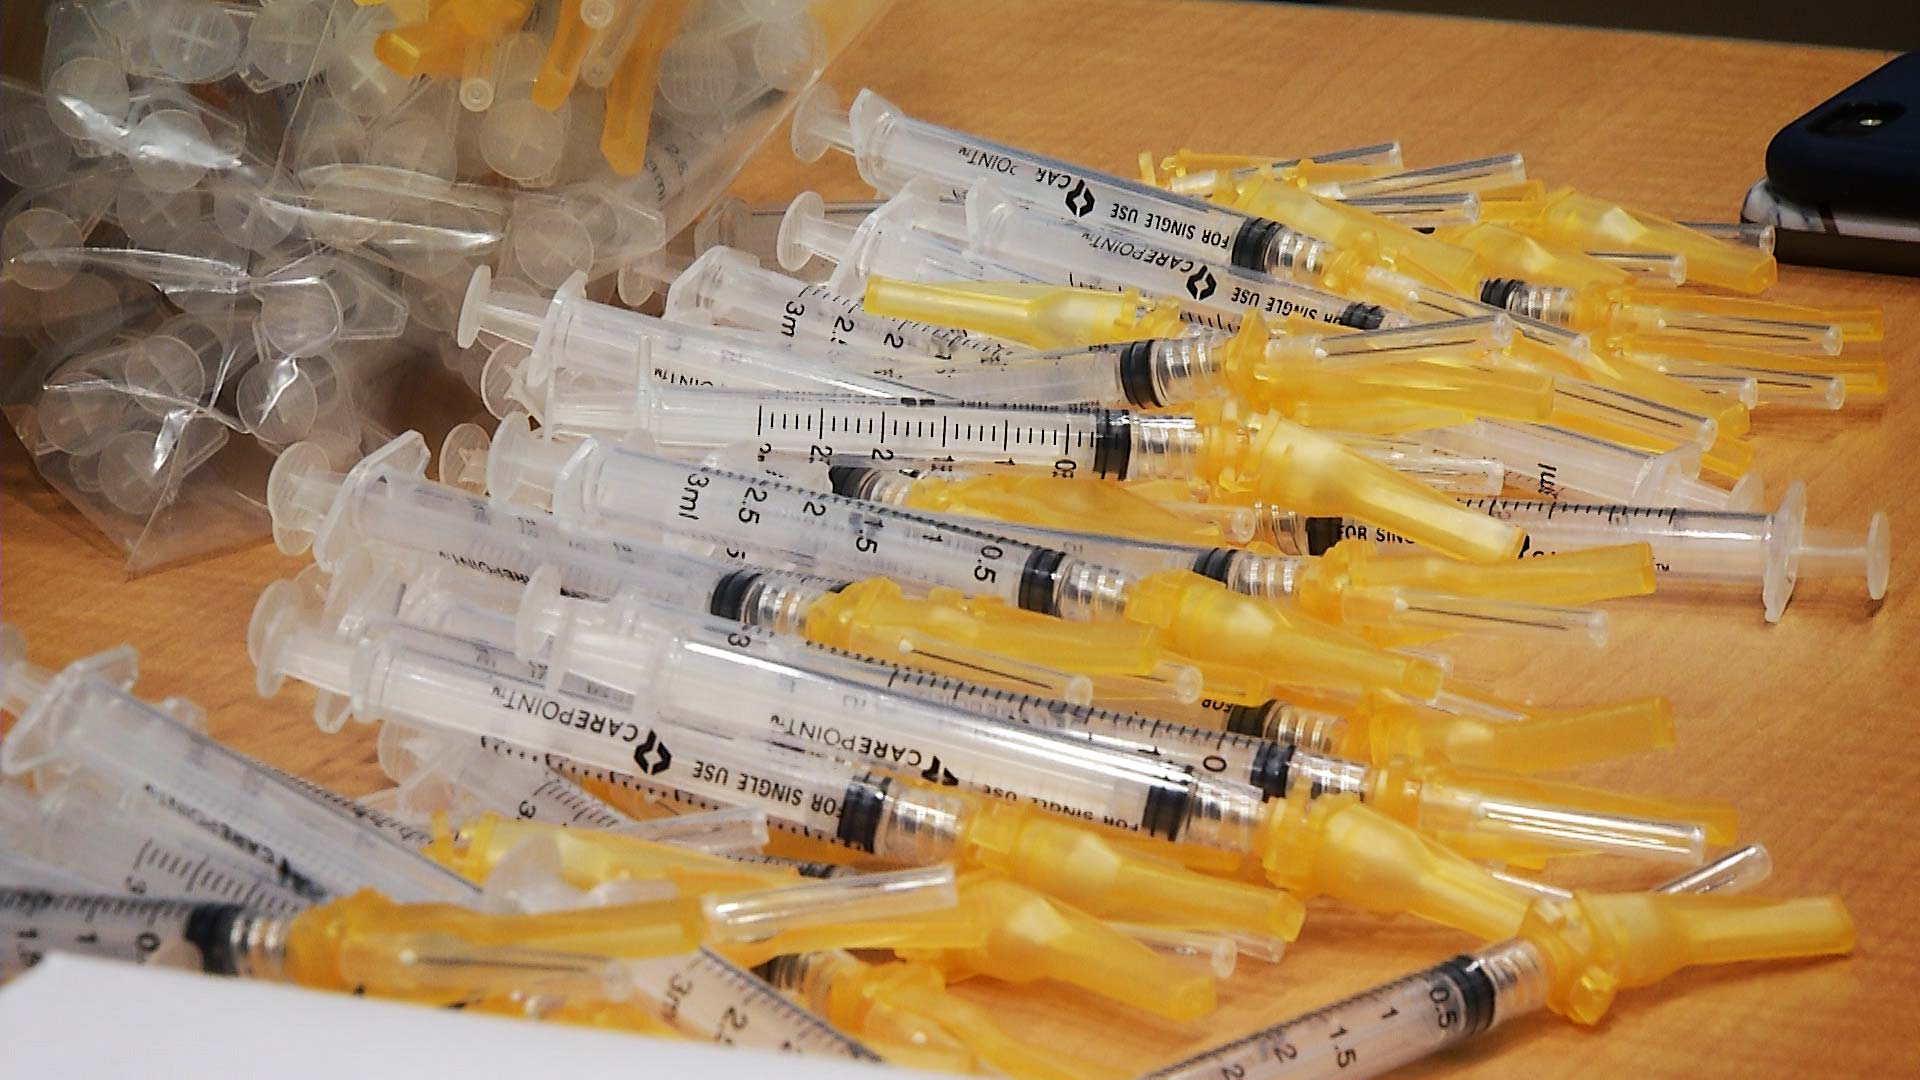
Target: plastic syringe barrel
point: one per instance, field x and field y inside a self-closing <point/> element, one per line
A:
<point x="1001" y="226"/>
<point x="727" y="287"/>
<point x="145" y="854"/>
<point x="892" y="148"/>
<point x="391" y="503"/>
<point x="79" y="719"/>
<point x="1748" y="548"/>
<point x="619" y="487"/>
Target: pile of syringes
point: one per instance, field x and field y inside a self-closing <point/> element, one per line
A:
<point x="242" y="225"/>
<point x="1066" y="587"/>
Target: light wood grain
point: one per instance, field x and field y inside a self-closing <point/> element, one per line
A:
<point x="1806" y="726"/>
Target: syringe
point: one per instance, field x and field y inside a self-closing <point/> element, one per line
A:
<point x="620" y="487"/>
<point x="530" y="792"/>
<point x="1570" y="956"/>
<point x="444" y="953"/>
<point x="141" y="855"/>
<point x="803" y="697"/>
<point x="608" y="643"/>
<point x="905" y="1010"/>
<point x="1501" y="598"/>
<point x="385" y="498"/>
<point x="1265" y="455"/>
<point x="627" y="349"/>
<point x="1002" y="226"/>
<point x="1594" y="394"/>
<point x="891" y="148"/>
<point x="488" y="692"/>
<point x="754" y="229"/>
<point x="1198" y="173"/>
<point x="709" y="995"/>
<point x="728" y="287"/>
<point x="80" y="717"/>
<point x="1746" y="548"/>
<point x="1564" y="465"/>
<point x="466" y="687"/>
<point x="35" y="922"/>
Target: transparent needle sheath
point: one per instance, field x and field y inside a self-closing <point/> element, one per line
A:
<point x="384" y="497"/>
<point x="1772" y="551"/>
<point x="705" y="994"/>
<point x="1280" y="577"/>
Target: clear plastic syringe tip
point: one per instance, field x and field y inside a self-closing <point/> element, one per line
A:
<point x="819" y="123"/>
<point x="1839" y="552"/>
<point x="507" y="316"/>
<point x="1784" y="528"/>
<point x="806" y="231"/>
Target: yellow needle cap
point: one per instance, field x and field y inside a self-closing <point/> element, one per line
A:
<point x="954" y="928"/>
<point x="1864" y="376"/>
<point x="1585" y="223"/>
<point x="1513" y="254"/>
<point x="1263" y="375"/>
<point x="1407" y="251"/>
<point x="1597" y="945"/>
<point x="1200" y="617"/>
<point x="1084" y="868"/>
<point x="1542" y="743"/>
<point x="1380" y="417"/>
<point x="336" y="944"/>
<point x="1043" y="316"/>
<point x="1575" y="577"/>
<point x="607" y="1015"/>
<point x="1498" y="815"/>
<point x="1864" y="323"/>
<point x="1284" y="464"/>
<point x="589" y="857"/>
<point x="482" y="18"/>
<point x="876" y="610"/>
<point x="427" y="967"/>
<point x="566" y="49"/>
<point x="1036" y="937"/>
<point x="908" y="1003"/>
<point x="431" y="49"/>
<point x="628" y="120"/>
<point x="1052" y="502"/>
<point x="1335" y="846"/>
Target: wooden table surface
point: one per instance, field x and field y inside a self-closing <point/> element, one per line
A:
<point x="1806" y="726"/>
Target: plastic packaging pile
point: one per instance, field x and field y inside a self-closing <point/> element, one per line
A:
<point x="1071" y="581"/>
<point x="241" y="226"/>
